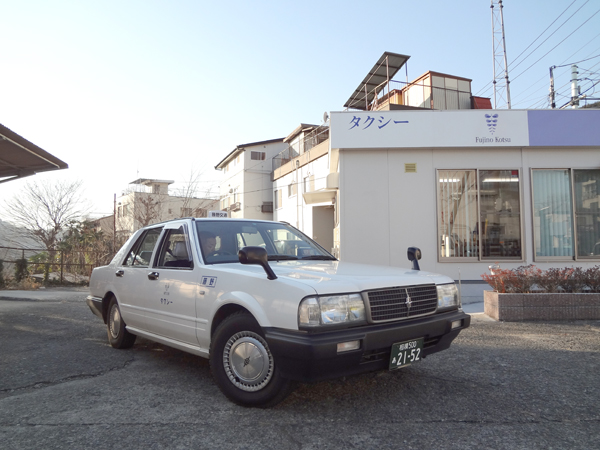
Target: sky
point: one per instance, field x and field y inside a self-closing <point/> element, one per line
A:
<point x="128" y="89"/>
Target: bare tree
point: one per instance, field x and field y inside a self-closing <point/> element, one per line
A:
<point x="148" y="210"/>
<point x="45" y="209"/>
<point x="192" y="204"/>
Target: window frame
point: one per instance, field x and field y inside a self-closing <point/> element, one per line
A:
<point x="135" y="248"/>
<point x="575" y="244"/>
<point x="479" y="258"/>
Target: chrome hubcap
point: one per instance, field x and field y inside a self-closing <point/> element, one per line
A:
<point x="114" y="322"/>
<point x="247" y="361"/>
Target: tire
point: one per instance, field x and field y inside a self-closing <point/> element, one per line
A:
<point x="243" y="366"/>
<point x="118" y="336"/>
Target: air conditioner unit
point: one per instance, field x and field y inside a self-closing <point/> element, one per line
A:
<point x="267" y="207"/>
<point x="236" y="206"/>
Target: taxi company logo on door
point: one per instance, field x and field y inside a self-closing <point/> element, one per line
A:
<point x="208" y="281"/>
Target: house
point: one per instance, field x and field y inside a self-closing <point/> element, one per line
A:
<point x="149" y="201"/>
<point x="246" y="188"/>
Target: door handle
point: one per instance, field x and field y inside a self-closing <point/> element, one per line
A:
<point x="153" y="275"/>
<point x="119" y="273"/>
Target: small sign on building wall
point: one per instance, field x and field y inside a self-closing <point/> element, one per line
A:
<point x="219" y="214"/>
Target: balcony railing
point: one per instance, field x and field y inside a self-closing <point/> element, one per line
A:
<point x="310" y="140"/>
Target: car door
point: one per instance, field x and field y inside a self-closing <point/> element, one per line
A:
<point x="133" y="273"/>
<point x="171" y="287"/>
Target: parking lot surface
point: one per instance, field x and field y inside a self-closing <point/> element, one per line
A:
<point x="500" y="386"/>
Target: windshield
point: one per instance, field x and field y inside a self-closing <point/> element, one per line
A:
<point x="221" y="240"/>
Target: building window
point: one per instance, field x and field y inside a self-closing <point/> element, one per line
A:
<point x="292" y="188"/>
<point x="258" y="155"/>
<point x="552" y="213"/>
<point x="186" y="212"/>
<point x="479" y="214"/>
<point x="587" y="212"/>
<point x="225" y="202"/>
<point x="277" y="199"/>
<point x="566" y="210"/>
<point x="309" y="183"/>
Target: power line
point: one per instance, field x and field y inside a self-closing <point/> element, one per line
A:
<point x="553" y="48"/>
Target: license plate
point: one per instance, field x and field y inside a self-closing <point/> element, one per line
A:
<point x="406" y="353"/>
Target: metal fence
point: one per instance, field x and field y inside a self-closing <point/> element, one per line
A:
<point x="56" y="266"/>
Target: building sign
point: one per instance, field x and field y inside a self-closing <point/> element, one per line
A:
<point x="408" y="129"/>
<point x="571" y="127"/>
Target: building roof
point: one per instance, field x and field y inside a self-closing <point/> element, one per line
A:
<point x="299" y="129"/>
<point x="149" y="181"/>
<point x="382" y="72"/>
<point x="241" y="148"/>
<point x="20" y="158"/>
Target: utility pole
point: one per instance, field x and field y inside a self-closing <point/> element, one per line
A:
<point x="574" y="87"/>
<point x="501" y="83"/>
<point x="552" y="92"/>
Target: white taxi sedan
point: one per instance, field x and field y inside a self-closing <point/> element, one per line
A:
<point x="267" y="305"/>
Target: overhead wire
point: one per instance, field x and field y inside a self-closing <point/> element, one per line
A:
<point x="489" y="85"/>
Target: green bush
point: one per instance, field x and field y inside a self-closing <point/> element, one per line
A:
<point x="21" y="271"/>
<point x="2" y="280"/>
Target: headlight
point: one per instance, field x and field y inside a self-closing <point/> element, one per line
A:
<point x="331" y="310"/>
<point x="447" y="296"/>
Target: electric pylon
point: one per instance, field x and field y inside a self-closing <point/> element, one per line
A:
<point x="501" y="83"/>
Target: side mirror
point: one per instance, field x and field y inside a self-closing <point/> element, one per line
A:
<point x="257" y="255"/>
<point x="414" y="255"/>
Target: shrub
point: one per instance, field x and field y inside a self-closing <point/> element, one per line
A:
<point x="2" y="280"/>
<point x="592" y="278"/>
<point x="550" y="280"/>
<point x="525" y="278"/>
<point x="21" y="271"/>
<point x="572" y="279"/>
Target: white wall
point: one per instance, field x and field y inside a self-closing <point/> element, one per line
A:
<point x="294" y="209"/>
<point x="384" y="210"/>
<point x="252" y="178"/>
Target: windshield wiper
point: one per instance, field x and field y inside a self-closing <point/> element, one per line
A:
<point x="281" y="257"/>
<point x="319" y="258"/>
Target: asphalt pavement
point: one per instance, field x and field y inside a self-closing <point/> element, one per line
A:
<point x="500" y="385"/>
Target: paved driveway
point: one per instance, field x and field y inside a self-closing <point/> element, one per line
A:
<point x="500" y="386"/>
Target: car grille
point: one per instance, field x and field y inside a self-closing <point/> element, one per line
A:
<point x="390" y="304"/>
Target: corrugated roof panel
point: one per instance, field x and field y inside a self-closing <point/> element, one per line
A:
<point x="384" y="70"/>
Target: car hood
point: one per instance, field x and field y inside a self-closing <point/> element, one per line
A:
<point x="328" y="277"/>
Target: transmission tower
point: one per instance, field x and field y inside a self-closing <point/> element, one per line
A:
<point x="501" y="83"/>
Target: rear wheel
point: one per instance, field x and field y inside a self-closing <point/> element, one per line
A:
<point x="242" y="364"/>
<point x="118" y="336"/>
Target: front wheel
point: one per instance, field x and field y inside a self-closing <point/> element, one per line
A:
<point x="242" y="364"/>
<point x="118" y="336"/>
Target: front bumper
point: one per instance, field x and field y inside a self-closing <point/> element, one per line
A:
<point x="314" y="357"/>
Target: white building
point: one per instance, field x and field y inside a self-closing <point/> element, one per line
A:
<point x="470" y="188"/>
<point x="149" y="201"/>
<point x="247" y="187"/>
<point x="427" y="164"/>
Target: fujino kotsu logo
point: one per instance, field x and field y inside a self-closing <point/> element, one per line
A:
<point x="491" y="121"/>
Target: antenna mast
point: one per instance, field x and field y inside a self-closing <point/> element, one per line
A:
<point x="501" y="83"/>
